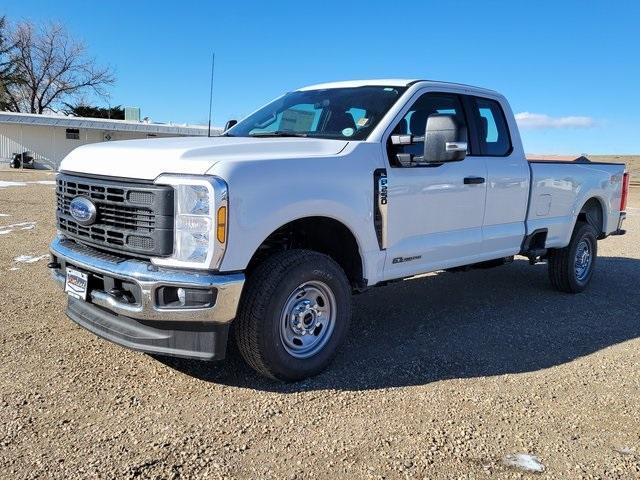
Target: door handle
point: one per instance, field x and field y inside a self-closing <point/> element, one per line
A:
<point x="473" y="180"/>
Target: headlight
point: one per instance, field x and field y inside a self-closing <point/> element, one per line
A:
<point x="200" y="221"/>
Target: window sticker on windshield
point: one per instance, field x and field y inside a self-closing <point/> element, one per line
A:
<point x="347" y="132"/>
<point x="297" y="120"/>
<point x="363" y="122"/>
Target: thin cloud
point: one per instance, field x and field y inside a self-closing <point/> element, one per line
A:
<point x="540" y="121"/>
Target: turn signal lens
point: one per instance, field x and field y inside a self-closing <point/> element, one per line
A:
<point x="221" y="230"/>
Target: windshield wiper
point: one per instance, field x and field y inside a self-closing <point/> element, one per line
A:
<point x="279" y="133"/>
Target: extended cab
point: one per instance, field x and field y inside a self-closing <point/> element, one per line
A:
<point x="326" y="191"/>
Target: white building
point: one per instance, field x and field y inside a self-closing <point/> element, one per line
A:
<point x="50" y="137"/>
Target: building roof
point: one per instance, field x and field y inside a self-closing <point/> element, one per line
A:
<point x="104" y="124"/>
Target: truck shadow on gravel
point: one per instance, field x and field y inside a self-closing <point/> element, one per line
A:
<point x="463" y="325"/>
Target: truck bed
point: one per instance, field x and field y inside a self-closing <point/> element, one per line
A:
<point x="560" y="188"/>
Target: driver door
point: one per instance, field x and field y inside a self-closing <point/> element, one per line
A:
<point x="435" y="212"/>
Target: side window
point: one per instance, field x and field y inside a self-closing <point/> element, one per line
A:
<point x="415" y="121"/>
<point x="493" y="132"/>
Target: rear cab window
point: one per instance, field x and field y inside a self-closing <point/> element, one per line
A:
<point x="492" y="130"/>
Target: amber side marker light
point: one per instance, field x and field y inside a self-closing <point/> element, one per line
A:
<point x="221" y="229"/>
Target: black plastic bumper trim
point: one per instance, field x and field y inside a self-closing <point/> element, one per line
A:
<point x="196" y="340"/>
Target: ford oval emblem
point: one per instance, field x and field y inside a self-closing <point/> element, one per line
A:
<point x="83" y="210"/>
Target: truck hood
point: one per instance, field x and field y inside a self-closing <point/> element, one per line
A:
<point x="146" y="159"/>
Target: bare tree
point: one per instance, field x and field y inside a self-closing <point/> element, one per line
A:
<point x="5" y="48"/>
<point x="7" y="64"/>
<point x="53" y="69"/>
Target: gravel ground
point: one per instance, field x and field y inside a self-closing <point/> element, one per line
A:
<point x="448" y="376"/>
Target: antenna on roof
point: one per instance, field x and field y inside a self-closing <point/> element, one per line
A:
<point x="213" y="62"/>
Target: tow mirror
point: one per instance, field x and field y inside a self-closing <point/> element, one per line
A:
<point x="230" y="124"/>
<point x="444" y="140"/>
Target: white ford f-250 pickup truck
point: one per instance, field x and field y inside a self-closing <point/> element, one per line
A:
<point x="326" y="191"/>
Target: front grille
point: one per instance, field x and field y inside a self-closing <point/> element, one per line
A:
<point x="92" y="252"/>
<point x="145" y="243"/>
<point x="133" y="218"/>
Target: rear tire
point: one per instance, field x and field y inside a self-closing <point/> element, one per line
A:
<point x="294" y="314"/>
<point x="571" y="268"/>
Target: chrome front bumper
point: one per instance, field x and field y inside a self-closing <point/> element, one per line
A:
<point x="149" y="278"/>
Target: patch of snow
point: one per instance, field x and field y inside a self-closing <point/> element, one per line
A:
<point x="4" y="215"/>
<point x="30" y="258"/>
<point x="21" y="224"/>
<point x="17" y="226"/>
<point x="625" y="450"/>
<point x="7" y="183"/>
<point x="524" y="461"/>
<point x="13" y="269"/>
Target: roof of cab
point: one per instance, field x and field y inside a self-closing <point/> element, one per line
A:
<point x="391" y="82"/>
<point x="388" y="82"/>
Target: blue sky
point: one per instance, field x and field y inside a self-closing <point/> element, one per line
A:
<point x="571" y="68"/>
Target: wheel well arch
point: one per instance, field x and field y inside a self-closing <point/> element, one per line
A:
<point x="318" y="233"/>
<point x="593" y="213"/>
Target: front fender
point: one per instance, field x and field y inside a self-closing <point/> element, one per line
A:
<point x="267" y="194"/>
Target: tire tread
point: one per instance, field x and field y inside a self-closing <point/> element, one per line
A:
<point x="560" y="261"/>
<point x="259" y="289"/>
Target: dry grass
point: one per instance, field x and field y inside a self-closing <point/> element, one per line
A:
<point x="632" y="162"/>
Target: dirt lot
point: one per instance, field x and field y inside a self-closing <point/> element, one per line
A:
<point x="441" y="377"/>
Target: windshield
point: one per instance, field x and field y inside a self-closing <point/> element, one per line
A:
<point x="335" y="113"/>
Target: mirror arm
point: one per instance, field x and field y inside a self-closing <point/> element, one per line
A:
<point x="407" y="139"/>
<point x="410" y="160"/>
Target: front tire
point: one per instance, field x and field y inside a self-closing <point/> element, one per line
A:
<point x="571" y="268"/>
<point x="294" y="315"/>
